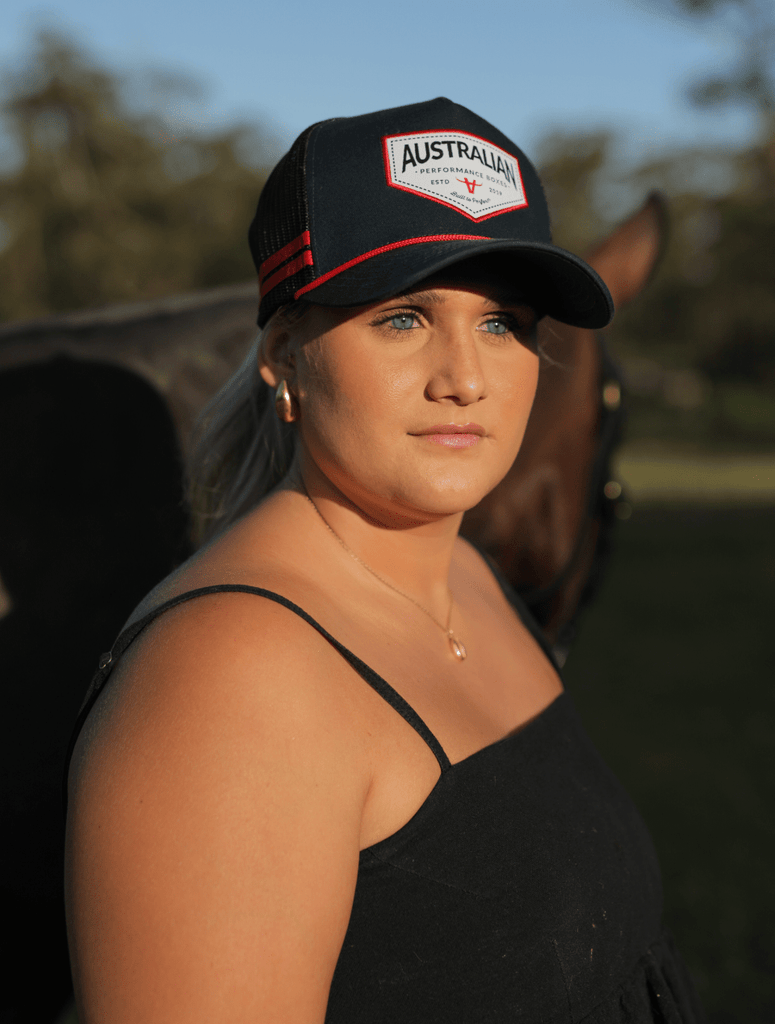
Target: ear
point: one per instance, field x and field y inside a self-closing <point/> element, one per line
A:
<point x="276" y="359"/>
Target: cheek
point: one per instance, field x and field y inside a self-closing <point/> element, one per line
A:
<point x="519" y="390"/>
<point x="531" y="380"/>
<point x="345" y="385"/>
<point x="342" y="399"/>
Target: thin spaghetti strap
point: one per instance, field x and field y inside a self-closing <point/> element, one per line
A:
<point x="109" y="660"/>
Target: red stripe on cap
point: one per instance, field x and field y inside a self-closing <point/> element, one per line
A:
<point x="283" y="254"/>
<point x="303" y="260"/>
<point x="386" y="248"/>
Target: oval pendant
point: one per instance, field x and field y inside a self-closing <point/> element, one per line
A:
<point x="457" y="648"/>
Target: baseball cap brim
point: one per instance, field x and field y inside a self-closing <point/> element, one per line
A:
<point x="571" y="291"/>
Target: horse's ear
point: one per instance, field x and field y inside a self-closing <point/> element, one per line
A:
<point x="627" y="257"/>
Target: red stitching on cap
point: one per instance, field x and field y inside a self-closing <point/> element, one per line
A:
<point x="385" y="248"/>
<point x="303" y="260"/>
<point x="282" y="254"/>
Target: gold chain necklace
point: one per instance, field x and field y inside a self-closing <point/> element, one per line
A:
<point x="456" y="646"/>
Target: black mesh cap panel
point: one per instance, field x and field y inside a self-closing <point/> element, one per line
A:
<point x="281" y="219"/>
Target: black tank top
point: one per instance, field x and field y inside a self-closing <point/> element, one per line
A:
<point x="525" y="890"/>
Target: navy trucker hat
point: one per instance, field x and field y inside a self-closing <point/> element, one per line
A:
<point x="361" y="208"/>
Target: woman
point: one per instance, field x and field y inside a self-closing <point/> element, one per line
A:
<point x="335" y="776"/>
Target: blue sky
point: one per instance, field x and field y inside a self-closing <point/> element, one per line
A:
<point x="529" y="67"/>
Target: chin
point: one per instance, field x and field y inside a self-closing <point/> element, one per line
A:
<point x="448" y="497"/>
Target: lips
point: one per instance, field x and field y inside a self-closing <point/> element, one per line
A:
<point x="453" y="435"/>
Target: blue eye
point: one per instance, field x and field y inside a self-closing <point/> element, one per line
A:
<point x="402" y="321"/>
<point x="497" y="327"/>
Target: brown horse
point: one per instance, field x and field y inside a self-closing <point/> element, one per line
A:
<point x="547" y="524"/>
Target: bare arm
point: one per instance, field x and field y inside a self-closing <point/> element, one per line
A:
<point x="213" y="833"/>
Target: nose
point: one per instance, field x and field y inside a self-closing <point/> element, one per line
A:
<point x="455" y="374"/>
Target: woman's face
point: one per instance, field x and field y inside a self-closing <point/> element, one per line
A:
<point x="415" y="407"/>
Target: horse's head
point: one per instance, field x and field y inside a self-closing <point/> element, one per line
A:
<point x="543" y="522"/>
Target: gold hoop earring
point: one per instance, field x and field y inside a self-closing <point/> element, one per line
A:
<point x="283" y="403"/>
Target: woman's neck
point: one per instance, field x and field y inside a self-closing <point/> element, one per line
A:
<point x="411" y="551"/>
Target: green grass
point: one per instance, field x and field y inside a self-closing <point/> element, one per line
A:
<point x="735" y="417"/>
<point x="672" y="672"/>
<point x="666" y="477"/>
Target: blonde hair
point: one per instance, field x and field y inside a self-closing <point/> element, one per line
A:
<point x="239" y="449"/>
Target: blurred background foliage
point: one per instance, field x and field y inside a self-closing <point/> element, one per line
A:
<point x="699" y="347"/>
<point x="104" y="202"/>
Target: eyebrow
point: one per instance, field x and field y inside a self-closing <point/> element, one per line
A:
<point x="433" y="297"/>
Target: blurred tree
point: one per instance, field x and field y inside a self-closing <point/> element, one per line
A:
<point x="572" y="169"/>
<point x="725" y="247"/>
<point x="699" y="344"/>
<point x="749" y="79"/>
<point x="106" y="204"/>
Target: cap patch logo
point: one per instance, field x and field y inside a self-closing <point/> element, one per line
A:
<point x="470" y="174"/>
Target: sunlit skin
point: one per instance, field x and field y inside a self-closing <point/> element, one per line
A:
<point x="381" y="392"/>
<point x="235" y="766"/>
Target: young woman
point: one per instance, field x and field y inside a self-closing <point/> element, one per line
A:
<point x="334" y="776"/>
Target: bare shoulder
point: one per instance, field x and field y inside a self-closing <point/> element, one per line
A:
<point x="219" y="654"/>
<point x="216" y="804"/>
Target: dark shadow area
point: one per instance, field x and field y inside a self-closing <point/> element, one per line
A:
<point x="91" y="516"/>
<point x="672" y="673"/>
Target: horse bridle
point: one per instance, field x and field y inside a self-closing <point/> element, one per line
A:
<point x="598" y="505"/>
